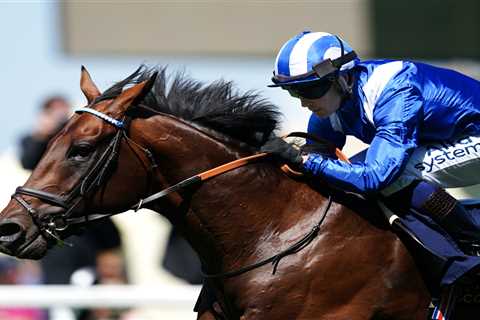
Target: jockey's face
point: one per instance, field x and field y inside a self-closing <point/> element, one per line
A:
<point x="325" y="105"/>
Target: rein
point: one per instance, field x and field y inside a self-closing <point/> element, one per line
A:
<point x="275" y="260"/>
<point x="198" y="178"/>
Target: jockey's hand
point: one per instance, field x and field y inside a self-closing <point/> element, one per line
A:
<point x="283" y="151"/>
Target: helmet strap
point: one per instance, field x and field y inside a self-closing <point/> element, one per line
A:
<point x="345" y="87"/>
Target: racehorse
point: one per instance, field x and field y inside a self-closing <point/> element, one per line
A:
<point x="148" y="132"/>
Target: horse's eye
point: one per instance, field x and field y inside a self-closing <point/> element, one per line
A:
<point x="80" y="152"/>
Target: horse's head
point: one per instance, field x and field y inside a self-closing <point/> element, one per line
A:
<point x="74" y="181"/>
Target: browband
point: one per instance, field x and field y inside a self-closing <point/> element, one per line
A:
<point x="117" y="123"/>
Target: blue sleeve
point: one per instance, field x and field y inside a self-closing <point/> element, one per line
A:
<point x="397" y="116"/>
<point x="322" y="128"/>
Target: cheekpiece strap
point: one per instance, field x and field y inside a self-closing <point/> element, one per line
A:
<point x="117" y="123"/>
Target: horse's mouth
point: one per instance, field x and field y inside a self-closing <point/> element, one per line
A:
<point x="35" y="248"/>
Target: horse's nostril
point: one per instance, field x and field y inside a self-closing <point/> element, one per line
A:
<point x="9" y="229"/>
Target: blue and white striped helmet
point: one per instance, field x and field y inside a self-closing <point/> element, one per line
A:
<point x="310" y="56"/>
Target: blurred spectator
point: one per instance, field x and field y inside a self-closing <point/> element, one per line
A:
<point x="53" y="115"/>
<point x="108" y="267"/>
<point x="88" y="249"/>
<point x="19" y="272"/>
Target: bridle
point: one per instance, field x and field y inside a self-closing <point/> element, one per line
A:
<point x="50" y="226"/>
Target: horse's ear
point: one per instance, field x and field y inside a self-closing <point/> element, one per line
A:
<point x="88" y="87"/>
<point x="149" y="85"/>
<point x="125" y="99"/>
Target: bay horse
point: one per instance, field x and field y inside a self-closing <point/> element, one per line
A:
<point x="150" y="131"/>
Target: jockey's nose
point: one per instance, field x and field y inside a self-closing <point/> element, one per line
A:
<point x="11" y="233"/>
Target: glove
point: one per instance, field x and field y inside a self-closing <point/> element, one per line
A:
<point x="283" y="151"/>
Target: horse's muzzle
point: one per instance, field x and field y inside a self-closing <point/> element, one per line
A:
<point x="12" y="235"/>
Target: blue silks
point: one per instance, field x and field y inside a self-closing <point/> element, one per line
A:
<point x="395" y="107"/>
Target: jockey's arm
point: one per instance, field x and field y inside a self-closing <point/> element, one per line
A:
<point x="396" y="116"/>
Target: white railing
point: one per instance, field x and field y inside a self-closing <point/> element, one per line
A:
<point x="109" y="296"/>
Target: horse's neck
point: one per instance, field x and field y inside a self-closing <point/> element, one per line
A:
<point x="231" y="213"/>
<point x="237" y="217"/>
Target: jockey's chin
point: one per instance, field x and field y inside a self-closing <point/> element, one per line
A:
<point x="323" y="107"/>
<point x="323" y="113"/>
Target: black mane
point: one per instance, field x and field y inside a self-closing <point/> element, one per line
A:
<point x="246" y="117"/>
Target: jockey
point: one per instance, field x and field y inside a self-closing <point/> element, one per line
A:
<point x="422" y="124"/>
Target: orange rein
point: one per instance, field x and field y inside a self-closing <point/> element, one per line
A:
<point x="243" y="161"/>
<point x="230" y="166"/>
<point x="217" y="171"/>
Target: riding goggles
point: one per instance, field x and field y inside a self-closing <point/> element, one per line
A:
<point x="310" y="90"/>
<point x="319" y="71"/>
